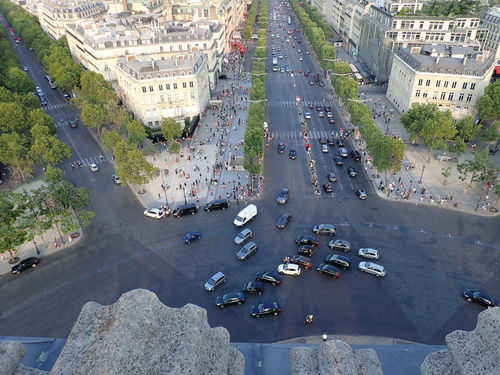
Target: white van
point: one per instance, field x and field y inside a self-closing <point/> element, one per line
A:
<point x="245" y="215"/>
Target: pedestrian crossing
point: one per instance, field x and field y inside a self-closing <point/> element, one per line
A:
<point x="293" y="103"/>
<point x="88" y="160"/>
<point x="49" y="107"/>
<point x="296" y="134"/>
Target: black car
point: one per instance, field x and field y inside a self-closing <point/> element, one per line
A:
<point x="301" y="260"/>
<point x="340" y="142"/>
<point x="328" y="188"/>
<point x="356" y="155"/>
<point x="310" y="106"/>
<point x="230" y="299"/>
<point x="270" y="277"/>
<point x="283" y="220"/>
<point x="331" y="142"/>
<point x="332" y="177"/>
<point x="307" y="239"/>
<point x="331" y="120"/>
<point x="319" y="108"/>
<point x="306" y="250"/>
<point x="328" y="270"/>
<point x="328" y="229"/>
<point x="265" y="308"/>
<point x="25" y="264"/>
<point x="216" y="204"/>
<point x="281" y="147"/>
<point x="328" y="108"/>
<point x="185" y="209"/>
<point x="338" y="160"/>
<point x="342" y="245"/>
<point x="253" y="287"/>
<point x="322" y="141"/>
<point x="222" y="76"/>
<point x="480" y="297"/>
<point x="339" y="260"/>
<point x="351" y="172"/>
<point x="292" y="154"/>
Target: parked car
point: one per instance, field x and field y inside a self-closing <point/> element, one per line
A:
<point x="342" y="245"/>
<point x="230" y="299"/>
<point x="283" y="196"/>
<point x="332" y="177"/>
<point x="373" y="268"/>
<point x="283" y="220"/>
<point x="93" y="167"/>
<point x="215" y="281"/>
<point x="301" y="260"/>
<point x="328" y="188"/>
<point x="216" y="204"/>
<point x="116" y="179"/>
<point x="185" y="209"/>
<point x="292" y="153"/>
<point x="361" y="194"/>
<point x="270" y="277"/>
<point x="155" y="213"/>
<point x="244" y="235"/>
<point x="480" y="298"/>
<point x="253" y="287"/>
<point x="338" y="260"/>
<point x="246" y="251"/>
<point x="368" y="253"/>
<point x="351" y="172"/>
<point x="328" y="229"/>
<point x="329" y="270"/>
<point x="306" y="250"/>
<point x="266" y="308"/>
<point x="291" y="269"/>
<point x="307" y="239"/>
<point x="25" y="264"/>
<point x="192" y="236"/>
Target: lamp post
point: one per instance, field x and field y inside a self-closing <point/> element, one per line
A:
<point x="165" y="189"/>
<point x="49" y="204"/>
<point x="421" y="174"/>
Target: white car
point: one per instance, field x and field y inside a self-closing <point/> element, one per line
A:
<point x="324" y="148"/>
<point x="116" y="179"/>
<point x="93" y="167"/>
<point x="307" y="116"/>
<point x="373" y="268"/>
<point x="291" y="269"/>
<point x="155" y="213"/>
<point x="301" y="59"/>
<point x="368" y="253"/>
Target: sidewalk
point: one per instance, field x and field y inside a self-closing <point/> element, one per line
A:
<point x="42" y="245"/>
<point x="210" y="165"/>
<point x="420" y="181"/>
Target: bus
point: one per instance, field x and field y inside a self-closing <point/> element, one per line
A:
<point x="51" y="83"/>
<point x="275" y="64"/>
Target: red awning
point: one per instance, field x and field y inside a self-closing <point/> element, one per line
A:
<point x="497" y="70"/>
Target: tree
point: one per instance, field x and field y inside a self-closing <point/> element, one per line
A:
<point x="436" y="131"/>
<point x="136" y="133"/>
<point x="12" y="234"/>
<point x="53" y="175"/>
<point x="93" y="116"/>
<point x="132" y="166"/>
<point x="14" y="153"/>
<point x="496" y="191"/>
<point x="12" y="118"/>
<point x="47" y="147"/>
<point x="37" y="117"/>
<point x="174" y="147"/>
<point x="492" y="133"/>
<point x="446" y="173"/>
<point x="171" y="129"/>
<point x="467" y="129"/>
<point x="477" y="168"/>
<point x="388" y="155"/>
<point x="488" y="105"/>
<point x="18" y="81"/>
<point x="110" y="140"/>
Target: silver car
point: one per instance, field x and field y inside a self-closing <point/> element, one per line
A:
<point x="368" y="253"/>
<point x="244" y="235"/>
<point x="342" y="245"/>
<point x="246" y="251"/>
<point x="373" y="268"/>
<point x="343" y="152"/>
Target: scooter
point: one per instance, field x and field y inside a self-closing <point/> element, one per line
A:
<point x="308" y="319"/>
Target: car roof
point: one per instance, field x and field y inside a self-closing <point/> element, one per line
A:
<point x="375" y="266"/>
<point x="245" y="231"/>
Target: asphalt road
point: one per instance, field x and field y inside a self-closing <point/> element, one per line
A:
<point x="430" y="254"/>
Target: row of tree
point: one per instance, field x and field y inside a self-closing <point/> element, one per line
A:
<point x="246" y="33"/>
<point x="23" y="216"/>
<point x="253" y="148"/>
<point x="447" y="8"/>
<point x="317" y="31"/>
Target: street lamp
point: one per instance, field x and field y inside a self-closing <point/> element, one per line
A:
<point x="165" y="189"/>
<point x="421" y="174"/>
<point x="49" y="203"/>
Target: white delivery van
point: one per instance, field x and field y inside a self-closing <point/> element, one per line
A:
<point x="245" y="215"/>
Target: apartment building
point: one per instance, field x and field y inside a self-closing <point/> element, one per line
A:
<point x="54" y="15"/>
<point x="175" y="87"/>
<point x="396" y="6"/>
<point x="452" y="77"/>
<point x="491" y="22"/>
<point x="98" y="45"/>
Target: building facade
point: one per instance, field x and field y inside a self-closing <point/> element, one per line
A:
<point x="176" y="87"/>
<point x="491" y="22"/>
<point x="453" y="77"/>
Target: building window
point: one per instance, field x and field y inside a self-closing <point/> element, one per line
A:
<point x="184" y="85"/>
<point x="443" y="95"/>
<point x="417" y="93"/>
<point x="472" y="86"/>
<point x="438" y="83"/>
<point x="445" y="84"/>
<point x="143" y="88"/>
<point x="191" y="84"/>
<point x="192" y="94"/>
<point x="420" y="81"/>
<point x="424" y="95"/>
<point x="454" y="84"/>
<point x="160" y="87"/>
<point x="162" y="99"/>
<point x="464" y="86"/>
<point x="435" y="95"/>
<point x="469" y="98"/>
<point x="450" y="96"/>
<point x="428" y="82"/>
<point x="175" y="86"/>
<point x="461" y="97"/>
<point x="151" y="88"/>
<point x="167" y="86"/>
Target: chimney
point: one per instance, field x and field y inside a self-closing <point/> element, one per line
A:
<point x="480" y="58"/>
<point x="464" y="60"/>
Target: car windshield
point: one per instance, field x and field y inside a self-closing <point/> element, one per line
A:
<point x="211" y="281"/>
<point x="239" y="218"/>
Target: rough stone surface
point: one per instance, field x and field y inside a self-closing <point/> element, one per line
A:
<point x="334" y="357"/>
<point x="469" y="353"/>
<point x="140" y="335"/>
<point x="11" y="355"/>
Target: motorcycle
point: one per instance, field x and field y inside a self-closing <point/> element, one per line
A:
<point x="308" y="319"/>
